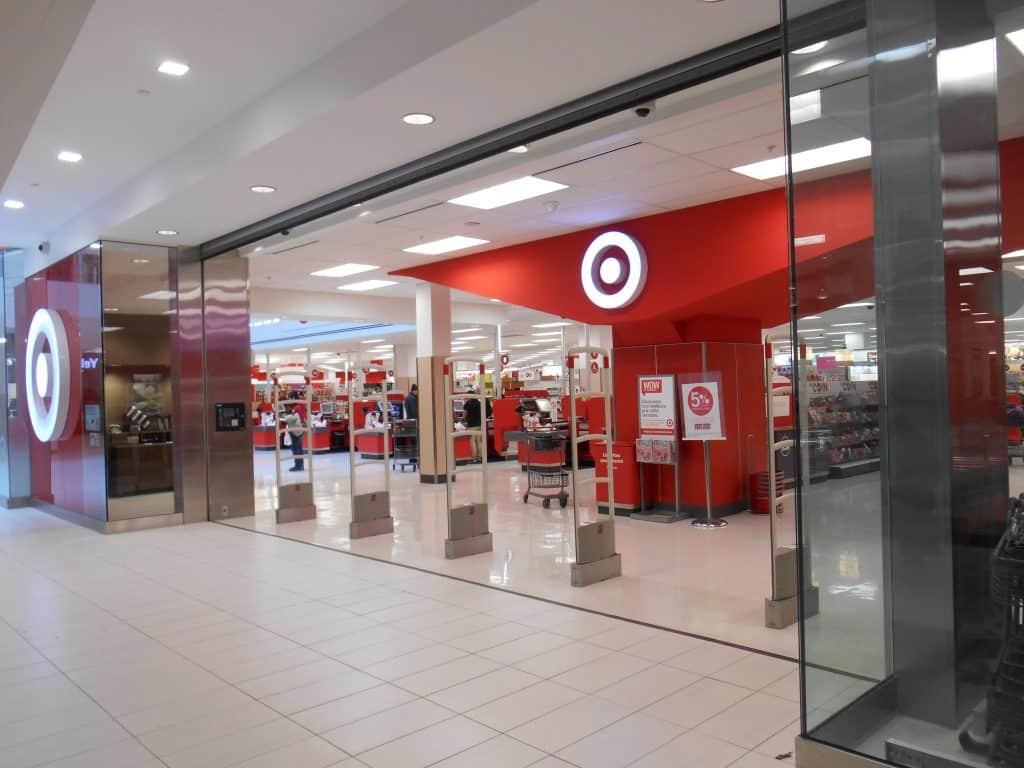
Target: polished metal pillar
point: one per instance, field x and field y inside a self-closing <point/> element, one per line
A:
<point x="228" y="356"/>
<point x="937" y="236"/>
<point x="189" y="424"/>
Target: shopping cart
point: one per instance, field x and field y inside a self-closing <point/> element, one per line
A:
<point x="406" y="442"/>
<point x="545" y="468"/>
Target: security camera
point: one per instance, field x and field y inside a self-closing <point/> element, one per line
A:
<point x="43" y="247"/>
<point x="646" y="109"/>
<point x="285" y="232"/>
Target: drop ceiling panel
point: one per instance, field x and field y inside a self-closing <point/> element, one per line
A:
<point x="609" y="165"/>
<point x="744" y="152"/>
<point x="672" y="195"/>
<point x="721" y="132"/>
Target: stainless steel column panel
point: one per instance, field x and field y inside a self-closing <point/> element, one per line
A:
<point x="190" y="489"/>
<point x="936" y="182"/>
<point x="227" y="356"/>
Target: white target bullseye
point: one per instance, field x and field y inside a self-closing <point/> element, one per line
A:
<point x="608" y="282"/>
<point x="47" y="375"/>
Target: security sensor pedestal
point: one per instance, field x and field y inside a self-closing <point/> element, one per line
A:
<point x="371" y="511"/>
<point x="468" y="528"/>
<point x="781" y="609"/>
<point x="596" y="558"/>
<point x="294" y="500"/>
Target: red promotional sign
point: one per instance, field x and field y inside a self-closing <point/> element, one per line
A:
<point x="702" y="415"/>
<point x="657" y="407"/>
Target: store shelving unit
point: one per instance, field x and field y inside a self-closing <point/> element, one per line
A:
<point x="843" y="428"/>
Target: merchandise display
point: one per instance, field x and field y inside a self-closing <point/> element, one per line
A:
<point x="843" y="428"/>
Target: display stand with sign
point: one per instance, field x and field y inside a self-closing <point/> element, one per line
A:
<point x="371" y="510"/>
<point x="469" y="530"/>
<point x="659" y="437"/>
<point x="596" y="558"/>
<point x="701" y="402"/>
<point x="294" y="500"/>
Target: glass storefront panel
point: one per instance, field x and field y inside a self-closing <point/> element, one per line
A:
<point x="138" y="306"/>
<point x="897" y="144"/>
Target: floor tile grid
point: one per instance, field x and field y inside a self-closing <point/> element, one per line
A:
<point x="541" y="609"/>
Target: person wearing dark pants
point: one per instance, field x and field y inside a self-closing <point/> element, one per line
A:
<point x="295" y="421"/>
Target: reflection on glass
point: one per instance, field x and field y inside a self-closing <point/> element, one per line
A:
<point x="908" y="651"/>
<point x="138" y="307"/>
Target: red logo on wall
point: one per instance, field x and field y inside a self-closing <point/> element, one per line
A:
<point x="650" y="386"/>
<point x="594" y="368"/>
<point x="701" y="401"/>
<point x="504" y="359"/>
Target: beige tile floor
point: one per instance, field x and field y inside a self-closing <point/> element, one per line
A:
<point x="710" y="583"/>
<point x="205" y="646"/>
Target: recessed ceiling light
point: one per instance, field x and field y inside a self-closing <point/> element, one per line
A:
<point x="811" y="317"/>
<point x="812" y="48"/>
<point x="857" y="304"/>
<point x="372" y="341"/>
<point x="263" y="189"/>
<point x="446" y="245"/>
<point x="367" y="285"/>
<point x="519" y="346"/>
<point x="844" y="151"/>
<point x="159" y="295"/>
<point x="968" y="271"/>
<point x="1014" y="254"/>
<point x="810" y="330"/>
<point x="470" y="338"/>
<point x="140" y="261"/>
<point x="496" y="301"/>
<point x="167" y="232"/>
<point x="522" y="149"/>
<point x="68" y="156"/>
<point x="551" y="325"/>
<point x="364" y="213"/>
<point x="173" y="68"/>
<point x="301" y="349"/>
<point x="111" y="309"/>
<point x="1017" y="38"/>
<point x="547" y="333"/>
<point x="418" y="118"/>
<point x="507" y="193"/>
<point x="95" y="246"/>
<point x="467" y="330"/>
<point x="964" y="285"/>
<point x="15" y="205"/>
<point x="344" y="270"/>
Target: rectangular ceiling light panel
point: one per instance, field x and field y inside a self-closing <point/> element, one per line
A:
<point x="510" y="192"/>
<point x="367" y="285"/>
<point x="445" y="245"/>
<point x="820" y="157"/>
<point x="344" y="270"/>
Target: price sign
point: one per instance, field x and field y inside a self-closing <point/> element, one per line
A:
<point x="702" y="413"/>
<point x="657" y="404"/>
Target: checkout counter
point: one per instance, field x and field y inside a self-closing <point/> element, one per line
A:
<point x="328" y="434"/>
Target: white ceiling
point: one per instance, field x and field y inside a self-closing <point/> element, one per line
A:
<point x="307" y="96"/>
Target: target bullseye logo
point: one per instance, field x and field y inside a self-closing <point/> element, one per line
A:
<point x="47" y="373"/>
<point x="614" y="270"/>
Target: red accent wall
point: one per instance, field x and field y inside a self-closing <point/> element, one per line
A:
<point x="69" y="472"/>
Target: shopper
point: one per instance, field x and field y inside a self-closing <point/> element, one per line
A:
<point x="295" y="421"/>
<point x="475" y="420"/>
<point x="412" y="403"/>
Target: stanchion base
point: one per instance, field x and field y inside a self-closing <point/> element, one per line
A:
<point x="294" y="514"/>
<point x="585" y="574"/>
<point x="365" y="528"/>
<point x="779" y="614"/>
<point x="474" y="545"/>
<point x="715" y="522"/>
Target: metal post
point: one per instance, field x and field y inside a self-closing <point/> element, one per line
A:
<point x="709" y="521"/>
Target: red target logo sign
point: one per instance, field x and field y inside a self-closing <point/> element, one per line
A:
<point x="594" y="368"/>
<point x="504" y="359"/>
<point x="700" y="401"/>
<point x="614" y="270"/>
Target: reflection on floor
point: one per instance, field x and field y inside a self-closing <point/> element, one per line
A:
<point x="707" y="582"/>
<point x="201" y="646"/>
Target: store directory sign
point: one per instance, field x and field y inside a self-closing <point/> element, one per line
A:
<point x="702" y="412"/>
<point x="658" y="418"/>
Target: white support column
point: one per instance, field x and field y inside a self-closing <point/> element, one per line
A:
<point x="433" y="345"/>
